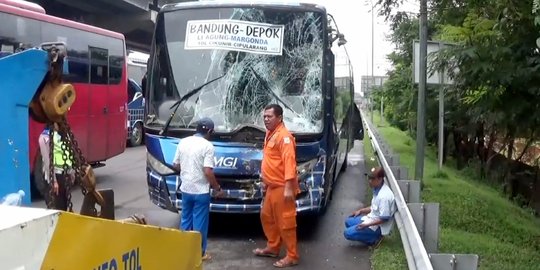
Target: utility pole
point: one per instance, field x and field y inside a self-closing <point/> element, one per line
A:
<point x="441" y="114"/>
<point x="421" y="107"/>
<point x="372" y="57"/>
<point x="382" y="98"/>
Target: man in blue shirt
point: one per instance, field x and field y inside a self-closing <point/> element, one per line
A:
<point x="369" y="224"/>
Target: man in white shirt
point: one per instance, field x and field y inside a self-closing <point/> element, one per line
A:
<point x="369" y="224"/>
<point x="194" y="159"/>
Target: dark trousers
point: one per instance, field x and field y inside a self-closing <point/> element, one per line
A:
<point x="59" y="202"/>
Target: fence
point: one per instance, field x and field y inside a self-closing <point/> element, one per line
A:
<point x="417" y="222"/>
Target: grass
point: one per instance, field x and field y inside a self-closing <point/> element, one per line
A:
<point x="474" y="218"/>
<point x="390" y="253"/>
<point x="369" y="153"/>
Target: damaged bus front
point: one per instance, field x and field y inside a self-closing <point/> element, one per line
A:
<point x="227" y="62"/>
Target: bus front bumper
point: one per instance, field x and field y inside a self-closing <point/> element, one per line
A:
<point x="163" y="193"/>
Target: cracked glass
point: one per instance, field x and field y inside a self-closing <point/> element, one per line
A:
<point x="248" y="81"/>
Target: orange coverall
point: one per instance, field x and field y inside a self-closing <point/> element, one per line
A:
<point x="278" y="216"/>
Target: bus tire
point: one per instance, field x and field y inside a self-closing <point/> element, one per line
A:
<point x="136" y="137"/>
<point x="328" y="190"/>
<point x="38" y="178"/>
<point x="333" y="185"/>
<point x="322" y="210"/>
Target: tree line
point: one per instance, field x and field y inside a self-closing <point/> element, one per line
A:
<point x="491" y="110"/>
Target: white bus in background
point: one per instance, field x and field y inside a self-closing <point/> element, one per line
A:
<point x="137" y="65"/>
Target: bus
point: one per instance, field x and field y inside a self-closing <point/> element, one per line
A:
<point x="135" y="106"/>
<point x="96" y="67"/>
<point x="227" y="61"/>
<point x="137" y="62"/>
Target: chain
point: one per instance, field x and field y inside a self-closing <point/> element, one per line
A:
<point x="67" y="155"/>
<point x="71" y="153"/>
<point x="79" y="163"/>
<point x="52" y="178"/>
<point x="75" y="164"/>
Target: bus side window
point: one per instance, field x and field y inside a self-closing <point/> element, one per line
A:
<point x="116" y="60"/>
<point x="338" y="102"/>
<point x="99" y="72"/>
<point x="18" y="33"/>
<point x="77" y="53"/>
<point x="4" y="54"/>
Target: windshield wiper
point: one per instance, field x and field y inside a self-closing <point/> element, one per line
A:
<point x="184" y="98"/>
<point x="265" y="85"/>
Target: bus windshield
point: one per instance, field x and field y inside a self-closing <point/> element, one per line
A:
<point x="264" y="55"/>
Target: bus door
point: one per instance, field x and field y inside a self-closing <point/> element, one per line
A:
<point x="117" y="115"/>
<point x="99" y="95"/>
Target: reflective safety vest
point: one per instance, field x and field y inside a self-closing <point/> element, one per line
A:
<point x="58" y="153"/>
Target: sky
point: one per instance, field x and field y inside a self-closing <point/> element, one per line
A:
<point x="355" y="24"/>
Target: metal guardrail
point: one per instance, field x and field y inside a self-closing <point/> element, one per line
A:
<point x="415" y="251"/>
<point x="418" y="222"/>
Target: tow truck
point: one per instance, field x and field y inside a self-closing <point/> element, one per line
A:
<point x="34" y="238"/>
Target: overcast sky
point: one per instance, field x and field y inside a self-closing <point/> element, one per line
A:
<point x="355" y="23"/>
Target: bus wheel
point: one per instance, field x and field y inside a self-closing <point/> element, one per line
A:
<point x="334" y="182"/>
<point x="327" y="196"/>
<point x="38" y="177"/>
<point x="325" y="203"/>
<point x="136" y="137"/>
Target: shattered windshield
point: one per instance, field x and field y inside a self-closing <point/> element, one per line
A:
<point x="266" y="56"/>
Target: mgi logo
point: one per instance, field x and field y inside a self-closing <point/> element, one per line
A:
<point x="225" y="162"/>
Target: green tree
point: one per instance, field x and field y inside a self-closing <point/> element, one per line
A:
<point x="495" y="64"/>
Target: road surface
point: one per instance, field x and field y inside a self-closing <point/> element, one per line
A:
<point x="232" y="237"/>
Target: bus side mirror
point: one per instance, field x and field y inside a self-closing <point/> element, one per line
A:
<point x="341" y="40"/>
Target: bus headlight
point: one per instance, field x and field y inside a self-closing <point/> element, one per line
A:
<point x="305" y="168"/>
<point x="158" y="166"/>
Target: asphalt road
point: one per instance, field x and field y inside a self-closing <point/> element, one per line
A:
<point x="232" y="237"/>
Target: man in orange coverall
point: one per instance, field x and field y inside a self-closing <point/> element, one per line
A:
<point x="278" y="213"/>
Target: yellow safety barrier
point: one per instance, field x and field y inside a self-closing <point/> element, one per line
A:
<point x="74" y="242"/>
<point x="81" y="242"/>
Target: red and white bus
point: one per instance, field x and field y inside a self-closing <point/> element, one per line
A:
<point x="97" y="68"/>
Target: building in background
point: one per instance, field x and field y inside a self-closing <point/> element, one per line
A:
<point x="367" y="83"/>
